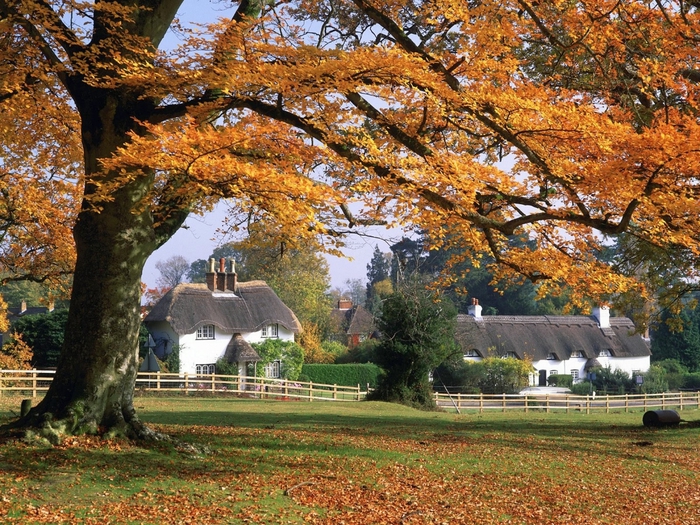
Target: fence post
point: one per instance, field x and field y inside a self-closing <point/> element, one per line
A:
<point x="481" y="402"/>
<point x="526" y="408"/>
<point x="33" y="382"/>
<point x="187" y="382"/>
<point x="286" y="388"/>
<point x="311" y="391"/>
<point x="627" y="402"/>
<point x="547" y="409"/>
<point x="607" y="404"/>
<point x="213" y="384"/>
<point x="567" y="403"/>
<point x="588" y="404"/>
<point x="158" y="380"/>
<point x="663" y="401"/>
<point x="504" y="402"/>
<point x="335" y="391"/>
<point x="680" y="395"/>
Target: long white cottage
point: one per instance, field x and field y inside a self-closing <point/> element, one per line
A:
<point x="556" y="344"/>
<point x="219" y="319"/>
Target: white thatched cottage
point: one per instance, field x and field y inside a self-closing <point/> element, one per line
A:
<point x="219" y="319"/>
<point x="556" y="344"/>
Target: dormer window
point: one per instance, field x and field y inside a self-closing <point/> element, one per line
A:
<point x="551" y="356"/>
<point x="510" y="355"/>
<point x="270" y="331"/>
<point x="206" y="332"/>
<point x="576" y="353"/>
<point x="604" y="353"/>
<point x="471" y="353"/>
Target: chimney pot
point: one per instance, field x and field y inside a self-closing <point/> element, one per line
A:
<point x="475" y="310"/>
<point x="602" y="315"/>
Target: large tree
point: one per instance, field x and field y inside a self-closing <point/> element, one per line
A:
<point x="482" y="119"/>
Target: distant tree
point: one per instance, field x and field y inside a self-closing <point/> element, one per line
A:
<point x="417" y="328"/>
<point x="43" y="333"/>
<point x="378" y="270"/>
<point x="407" y="255"/>
<point x="198" y="269"/>
<point x="356" y="291"/>
<point x="173" y="271"/>
<point x="677" y="337"/>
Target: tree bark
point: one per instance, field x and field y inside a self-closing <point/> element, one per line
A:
<point x="93" y="387"/>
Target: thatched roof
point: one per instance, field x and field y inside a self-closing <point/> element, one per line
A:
<point x="539" y="336"/>
<point x="254" y="305"/>
<point x="239" y="350"/>
<point x="356" y="320"/>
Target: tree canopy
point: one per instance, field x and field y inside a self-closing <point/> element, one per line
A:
<point x="566" y="122"/>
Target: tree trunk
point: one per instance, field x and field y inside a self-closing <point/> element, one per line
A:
<point x="93" y="387"/>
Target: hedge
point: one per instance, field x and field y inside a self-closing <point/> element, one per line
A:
<point x="352" y="374"/>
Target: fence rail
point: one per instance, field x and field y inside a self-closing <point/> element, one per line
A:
<point x="33" y="383"/>
<point x="36" y="382"/>
<point x="568" y="402"/>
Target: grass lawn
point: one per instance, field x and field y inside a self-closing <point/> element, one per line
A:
<point x="360" y="463"/>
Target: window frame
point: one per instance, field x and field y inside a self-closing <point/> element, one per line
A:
<point x="273" y="369"/>
<point x="206" y="332"/>
<point x="270" y="331"/>
<point x="205" y="369"/>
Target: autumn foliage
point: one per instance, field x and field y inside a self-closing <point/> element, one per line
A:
<point x="569" y="123"/>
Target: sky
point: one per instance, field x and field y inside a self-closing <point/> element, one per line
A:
<point x="199" y="237"/>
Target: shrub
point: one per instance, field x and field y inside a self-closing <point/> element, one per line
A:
<point x="562" y="380"/>
<point x="345" y="375"/>
<point x="582" y="389"/>
<point x="504" y="375"/>
<point x="655" y="380"/>
<point x="365" y="352"/>
<point x="290" y="355"/>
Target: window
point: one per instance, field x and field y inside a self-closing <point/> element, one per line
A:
<point x="551" y="356"/>
<point x="272" y="370"/>
<point x="574" y="375"/>
<point x="604" y="353"/>
<point x="205" y="332"/>
<point x="510" y="355"/>
<point x="471" y="353"/>
<point x="206" y="370"/>
<point x="553" y="372"/>
<point x="269" y="330"/>
<point x="576" y="353"/>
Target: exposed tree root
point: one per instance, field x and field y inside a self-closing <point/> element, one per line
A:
<point x="44" y="428"/>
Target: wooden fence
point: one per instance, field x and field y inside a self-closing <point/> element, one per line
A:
<point x="33" y="383"/>
<point x="568" y="402"/>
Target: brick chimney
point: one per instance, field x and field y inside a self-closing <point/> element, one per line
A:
<point x="344" y="304"/>
<point x="211" y="275"/>
<point x="602" y="315"/>
<point x="474" y="310"/>
<point x="231" y="276"/>
<point x="221" y="276"/>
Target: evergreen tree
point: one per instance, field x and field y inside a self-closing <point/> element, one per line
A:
<point x="678" y="341"/>
<point x="378" y="270"/>
<point x="417" y="329"/>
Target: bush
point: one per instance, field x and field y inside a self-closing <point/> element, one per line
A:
<point x="691" y="381"/>
<point x="582" y="389"/>
<point x="365" y="352"/>
<point x="504" y="376"/>
<point x="345" y="375"/>
<point x="456" y="373"/>
<point x="290" y="355"/>
<point x="562" y="380"/>
<point x="655" y="380"/>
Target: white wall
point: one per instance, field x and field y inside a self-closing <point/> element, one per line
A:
<point x="195" y="351"/>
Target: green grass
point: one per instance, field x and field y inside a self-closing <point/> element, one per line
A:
<point x="295" y="462"/>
